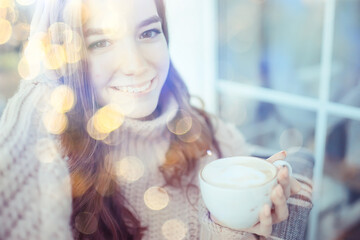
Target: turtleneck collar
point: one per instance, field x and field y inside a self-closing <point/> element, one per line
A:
<point x="156" y="126"/>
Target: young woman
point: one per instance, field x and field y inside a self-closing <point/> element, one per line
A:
<point x="103" y="143"/>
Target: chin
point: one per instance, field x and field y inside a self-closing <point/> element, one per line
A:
<point x="142" y="112"/>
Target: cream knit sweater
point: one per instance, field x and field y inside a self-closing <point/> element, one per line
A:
<point x="35" y="192"/>
<point x="35" y="195"/>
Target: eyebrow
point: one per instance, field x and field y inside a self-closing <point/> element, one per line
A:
<point x="146" y="22"/>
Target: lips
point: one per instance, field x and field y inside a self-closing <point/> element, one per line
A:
<point x="135" y="89"/>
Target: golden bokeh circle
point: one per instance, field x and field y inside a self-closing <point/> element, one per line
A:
<point x="113" y="138"/>
<point x="55" y="57"/>
<point x="54" y="122"/>
<point x="80" y="184"/>
<point x="174" y="229"/>
<point x="71" y="9"/>
<point x="60" y="33"/>
<point x="5" y="31"/>
<point x="28" y="69"/>
<point x="193" y="134"/>
<point x="181" y="123"/>
<point x="62" y="99"/>
<point x="129" y="169"/>
<point x="86" y="223"/>
<point x="93" y="132"/>
<point x="6" y="3"/>
<point x="156" y="198"/>
<point x="21" y="31"/>
<point x="108" y="119"/>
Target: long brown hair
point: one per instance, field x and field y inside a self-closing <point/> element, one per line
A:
<point x="99" y="210"/>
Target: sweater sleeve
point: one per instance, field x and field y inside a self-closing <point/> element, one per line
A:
<point x="213" y="231"/>
<point x="300" y="204"/>
<point x="35" y="198"/>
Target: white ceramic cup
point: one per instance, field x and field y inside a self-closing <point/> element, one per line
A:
<point x="237" y="201"/>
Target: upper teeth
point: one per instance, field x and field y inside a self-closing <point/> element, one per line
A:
<point x="134" y="89"/>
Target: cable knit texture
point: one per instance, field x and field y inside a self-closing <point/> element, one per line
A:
<point x="35" y="191"/>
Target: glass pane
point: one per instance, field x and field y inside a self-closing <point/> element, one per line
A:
<point x="340" y="193"/>
<point x="345" y="81"/>
<point x="274" y="44"/>
<point x="269" y="126"/>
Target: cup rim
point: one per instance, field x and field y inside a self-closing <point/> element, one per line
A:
<point x="240" y="188"/>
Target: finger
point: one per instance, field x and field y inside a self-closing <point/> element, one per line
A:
<point x="277" y="156"/>
<point x="281" y="211"/>
<point x="295" y="186"/>
<point x="284" y="181"/>
<point x="265" y="221"/>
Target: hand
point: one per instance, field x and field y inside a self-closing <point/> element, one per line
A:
<point x="281" y="192"/>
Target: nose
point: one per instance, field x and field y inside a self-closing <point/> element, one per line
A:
<point x="130" y="58"/>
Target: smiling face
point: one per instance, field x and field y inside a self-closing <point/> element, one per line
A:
<point x="128" y="56"/>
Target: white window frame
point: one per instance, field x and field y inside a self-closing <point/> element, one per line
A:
<point x="207" y="86"/>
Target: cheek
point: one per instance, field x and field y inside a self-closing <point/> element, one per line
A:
<point x="99" y="72"/>
<point x="159" y="58"/>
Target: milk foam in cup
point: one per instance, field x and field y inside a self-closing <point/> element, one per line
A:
<point x="235" y="189"/>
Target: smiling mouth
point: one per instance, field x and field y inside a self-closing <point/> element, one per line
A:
<point x="132" y="89"/>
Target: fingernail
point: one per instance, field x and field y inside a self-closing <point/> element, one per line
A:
<point x="284" y="153"/>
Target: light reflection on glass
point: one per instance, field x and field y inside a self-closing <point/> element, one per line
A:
<point x="291" y="140"/>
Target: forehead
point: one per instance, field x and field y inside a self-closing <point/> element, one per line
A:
<point x="117" y="11"/>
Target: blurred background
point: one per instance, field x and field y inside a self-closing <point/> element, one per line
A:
<point x="286" y="72"/>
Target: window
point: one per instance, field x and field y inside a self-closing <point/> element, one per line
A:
<point x="288" y="77"/>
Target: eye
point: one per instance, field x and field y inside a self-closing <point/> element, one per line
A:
<point x="99" y="44"/>
<point x="150" y="33"/>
